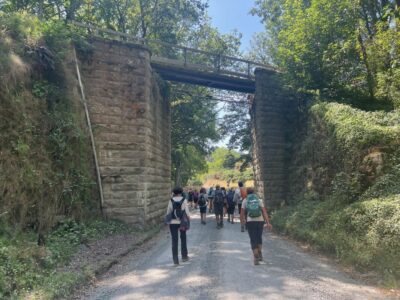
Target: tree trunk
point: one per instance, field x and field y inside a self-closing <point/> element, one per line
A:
<point x="142" y="20"/>
<point x="370" y="78"/>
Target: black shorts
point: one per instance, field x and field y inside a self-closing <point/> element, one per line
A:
<point x="203" y="209"/>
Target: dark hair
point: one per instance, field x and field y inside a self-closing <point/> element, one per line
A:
<point x="177" y="190"/>
<point x="250" y="190"/>
<point x="223" y="188"/>
<point x="217" y="186"/>
<point x="202" y="190"/>
<point x="240" y="184"/>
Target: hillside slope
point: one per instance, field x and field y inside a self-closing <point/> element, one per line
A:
<point x="344" y="187"/>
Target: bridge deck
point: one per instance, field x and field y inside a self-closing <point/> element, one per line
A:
<point x="176" y="70"/>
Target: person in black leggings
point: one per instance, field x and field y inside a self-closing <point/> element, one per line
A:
<point x="255" y="225"/>
<point x="178" y="201"/>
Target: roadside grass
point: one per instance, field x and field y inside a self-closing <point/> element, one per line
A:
<point x="31" y="271"/>
<point x="365" y="234"/>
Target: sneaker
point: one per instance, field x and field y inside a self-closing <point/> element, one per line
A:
<point x="184" y="259"/>
<point x="256" y="261"/>
<point x="176" y="264"/>
<point x="242" y="229"/>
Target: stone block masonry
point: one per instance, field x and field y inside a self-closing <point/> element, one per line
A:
<point x="131" y="126"/>
<point x="269" y="152"/>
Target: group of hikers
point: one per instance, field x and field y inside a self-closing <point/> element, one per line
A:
<point x="253" y="215"/>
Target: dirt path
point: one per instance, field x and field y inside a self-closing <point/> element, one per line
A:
<point x="221" y="268"/>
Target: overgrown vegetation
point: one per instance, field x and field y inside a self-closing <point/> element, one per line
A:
<point x="45" y="163"/>
<point x="29" y="269"/>
<point x="345" y="187"/>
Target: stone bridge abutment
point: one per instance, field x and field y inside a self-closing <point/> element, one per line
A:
<point x="131" y="126"/>
<point x="269" y="112"/>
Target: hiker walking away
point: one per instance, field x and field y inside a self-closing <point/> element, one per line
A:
<point x="223" y="189"/>
<point x="219" y="199"/>
<point x="240" y="195"/>
<point x="231" y="204"/>
<point x="211" y="194"/>
<point x="195" y="198"/>
<point x="178" y="210"/>
<point x="257" y="219"/>
<point x="202" y="203"/>
<point x="190" y="198"/>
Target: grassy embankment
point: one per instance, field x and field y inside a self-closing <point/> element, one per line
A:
<point x="345" y="188"/>
<point x="47" y="186"/>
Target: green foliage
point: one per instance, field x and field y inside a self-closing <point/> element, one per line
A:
<point x="193" y="126"/>
<point x="338" y="47"/>
<point x="225" y="164"/>
<point x="344" y="187"/>
<point x="356" y="129"/>
<point x="45" y="166"/>
<point x="365" y="234"/>
<point x="26" y="268"/>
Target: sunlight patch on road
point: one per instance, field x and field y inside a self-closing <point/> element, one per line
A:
<point x="196" y="280"/>
<point x="142" y="278"/>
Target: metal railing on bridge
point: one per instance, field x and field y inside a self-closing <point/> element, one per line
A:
<point x="182" y="56"/>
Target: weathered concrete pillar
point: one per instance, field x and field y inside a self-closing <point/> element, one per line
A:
<point x="131" y="121"/>
<point x="268" y="135"/>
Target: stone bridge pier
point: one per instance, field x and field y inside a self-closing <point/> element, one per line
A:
<point x="131" y="126"/>
<point x="269" y="112"/>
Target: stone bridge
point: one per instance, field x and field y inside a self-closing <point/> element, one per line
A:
<point x="131" y="124"/>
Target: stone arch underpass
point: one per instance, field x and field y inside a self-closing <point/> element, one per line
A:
<point x="132" y="129"/>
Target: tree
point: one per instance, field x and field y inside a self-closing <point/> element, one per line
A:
<point x="330" y="45"/>
<point x="193" y="128"/>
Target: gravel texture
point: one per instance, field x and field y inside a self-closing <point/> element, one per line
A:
<point x="221" y="267"/>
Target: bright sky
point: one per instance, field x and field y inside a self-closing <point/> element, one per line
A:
<point x="228" y="15"/>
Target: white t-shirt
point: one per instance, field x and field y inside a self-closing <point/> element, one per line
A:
<point x="237" y="197"/>
<point x="184" y="207"/>
<point x="250" y="219"/>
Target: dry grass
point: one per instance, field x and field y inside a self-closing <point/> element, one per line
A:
<point x="224" y="183"/>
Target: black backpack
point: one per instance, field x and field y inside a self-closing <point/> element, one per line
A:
<point x="177" y="211"/>
<point x="219" y="198"/>
<point x="202" y="201"/>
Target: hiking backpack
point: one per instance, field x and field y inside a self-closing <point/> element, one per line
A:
<point x="253" y="206"/>
<point x="177" y="211"/>
<point x="230" y="197"/>
<point x="202" y="201"/>
<point x="219" y="198"/>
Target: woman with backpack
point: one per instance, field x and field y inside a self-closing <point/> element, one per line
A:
<point x="178" y="213"/>
<point x="257" y="219"/>
<point x="202" y="203"/>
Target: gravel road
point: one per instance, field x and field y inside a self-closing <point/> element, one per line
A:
<point x="220" y="267"/>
